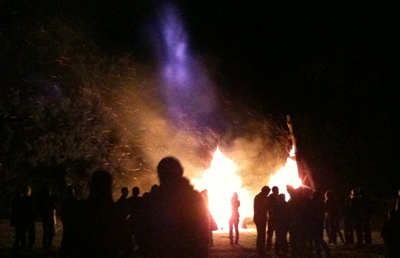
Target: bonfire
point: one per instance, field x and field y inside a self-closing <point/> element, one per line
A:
<point x="222" y="181"/>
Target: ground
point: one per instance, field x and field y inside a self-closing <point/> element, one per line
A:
<point x="221" y="248"/>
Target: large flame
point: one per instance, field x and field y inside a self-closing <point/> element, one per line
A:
<point x="287" y="175"/>
<point x="221" y="182"/>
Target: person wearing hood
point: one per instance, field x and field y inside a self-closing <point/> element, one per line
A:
<point x="178" y="216"/>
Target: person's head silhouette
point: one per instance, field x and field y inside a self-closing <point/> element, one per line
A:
<point x="265" y="190"/>
<point x="124" y="191"/>
<point x="135" y="191"/>
<point x="101" y="186"/>
<point x="169" y="170"/>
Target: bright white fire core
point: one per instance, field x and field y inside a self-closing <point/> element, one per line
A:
<point x="221" y="181"/>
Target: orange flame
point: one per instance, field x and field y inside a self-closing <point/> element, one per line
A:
<point x="221" y="181"/>
<point x="287" y="175"/>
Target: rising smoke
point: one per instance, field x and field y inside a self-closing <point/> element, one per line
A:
<point x="176" y="110"/>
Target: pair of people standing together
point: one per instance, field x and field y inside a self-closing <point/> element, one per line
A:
<point x="268" y="204"/>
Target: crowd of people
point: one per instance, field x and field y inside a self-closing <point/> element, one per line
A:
<point x="308" y="213"/>
<point x="173" y="220"/>
<point x="24" y="215"/>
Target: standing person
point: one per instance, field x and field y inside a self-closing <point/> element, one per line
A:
<point x="212" y="223"/>
<point x="135" y="200"/>
<point x="298" y="217"/>
<point x="27" y="215"/>
<point x="317" y="219"/>
<point x="178" y="219"/>
<point x="356" y="204"/>
<point x="16" y="220"/>
<point x="260" y="218"/>
<point x="47" y="210"/>
<point x="99" y="234"/>
<point x="398" y="201"/>
<point x="281" y="245"/>
<point x="136" y="223"/>
<point x="332" y="218"/>
<point x="123" y="213"/>
<point x="234" y="220"/>
<point x="123" y="199"/>
<point x="348" y="222"/>
<point x="70" y="217"/>
<point x="272" y="216"/>
<point x="390" y="232"/>
<point x="368" y="209"/>
<point x="135" y="193"/>
<point x="141" y="227"/>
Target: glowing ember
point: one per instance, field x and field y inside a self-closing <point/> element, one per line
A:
<point x="287" y="175"/>
<point x="221" y="181"/>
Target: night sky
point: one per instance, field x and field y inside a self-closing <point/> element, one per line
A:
<point x="332" y="65"/>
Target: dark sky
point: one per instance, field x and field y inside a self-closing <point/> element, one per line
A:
<point x="333" y="65"/>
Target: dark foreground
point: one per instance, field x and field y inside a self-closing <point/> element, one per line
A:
<point x="221" y="249"/>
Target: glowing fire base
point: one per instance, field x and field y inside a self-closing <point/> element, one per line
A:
<point x="221" y="181"/>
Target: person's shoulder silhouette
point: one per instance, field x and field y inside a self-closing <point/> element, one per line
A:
<point x="99" y="215"/>
<point x="179" y="215"/>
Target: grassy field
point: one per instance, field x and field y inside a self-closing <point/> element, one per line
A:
<point x="221" y="248"/>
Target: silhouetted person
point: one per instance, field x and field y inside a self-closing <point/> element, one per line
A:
<point x="272" y="216"/>
<point x="234" y="220"/>
<point x="213" y="225"/>
<point x="124" y="195"/>
<point x="16" y="219"/>
<point x="136" y="222"/>
<point x="390" y="233"/>
<point x="260" y="218"/>
<point x="122" y="223"/>
<point x="135" y="192"/>
<point x="368" y="209"/>
<point x="332" y="217"/>
<point x="178" y="221"/>
<point x="71" y="220"/>
<point x="348" y="219"/>
<point x="99" y="214"/>
<point x="135" y="199"/>
<point x="123" y="206"/>
<point x="146" y="196"/>
<point x="398" y="201"/>
<point x="47" y="211"/>
<point x="356" y="205"/>
<point x="154" y="188"/>
<point x="317" y="219"/>
<point x="27" y="216"/>
<point x="281" y="230"/>
<point x="154" y="192"/>
<point x="144" y="228"/>
<point x="298" y="217"/>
